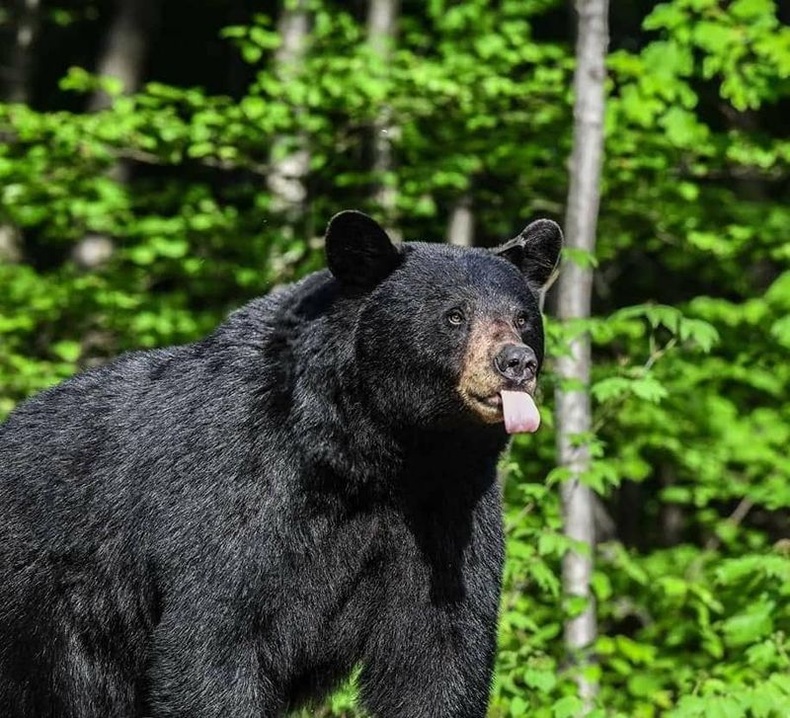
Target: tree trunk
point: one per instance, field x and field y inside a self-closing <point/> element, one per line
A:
<point x="382" y="33"/>
<point x="27" y="18"/>
<point x="461" y="226"/>
<point x="18" y="88"/>
<point x="671" y="517"/>
<point x="125" y="48"/>
<point x="290" y="157"/>
<point x="238" y="72"/>
<point x="122" y="57"/>
<point x="574" y="296"/>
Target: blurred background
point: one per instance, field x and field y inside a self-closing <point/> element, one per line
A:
<point x="162" y="162"/>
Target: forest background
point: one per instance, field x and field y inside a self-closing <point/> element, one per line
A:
<point x="137" y="211"/>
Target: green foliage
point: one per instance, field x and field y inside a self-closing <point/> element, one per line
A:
<point x="690" y="332"/>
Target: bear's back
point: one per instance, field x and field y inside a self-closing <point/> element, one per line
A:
<point x="177" y="413"/>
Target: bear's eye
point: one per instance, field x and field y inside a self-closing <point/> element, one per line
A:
<point x="521" y="320"/>
<point x="455" y="317"/>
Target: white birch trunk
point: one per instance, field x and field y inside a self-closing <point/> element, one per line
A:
<point x="574" y="295"/>
<point x="382" y="33"/>
<point x="289" y="165"/>
<point x="461" y="225"/>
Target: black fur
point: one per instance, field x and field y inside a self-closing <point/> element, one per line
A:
<point x="227" y="528"/>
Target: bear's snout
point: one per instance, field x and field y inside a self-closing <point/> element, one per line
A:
<point x="516" y="362"/>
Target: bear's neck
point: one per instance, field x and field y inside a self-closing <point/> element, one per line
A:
<point x="341" y="433"/>
<point x="357" y="443"/>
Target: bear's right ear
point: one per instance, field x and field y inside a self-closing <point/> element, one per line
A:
<point x="359" y="252"/>
<point x="535" y="252"/>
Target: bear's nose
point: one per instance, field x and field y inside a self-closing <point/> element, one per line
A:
<point x="516" y="362"/>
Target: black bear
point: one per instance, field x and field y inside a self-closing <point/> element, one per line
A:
<point x="228" y="528"/>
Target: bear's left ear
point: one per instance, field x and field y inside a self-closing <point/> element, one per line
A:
<point x="535" y="251"/>
<point x="359" y="252"/>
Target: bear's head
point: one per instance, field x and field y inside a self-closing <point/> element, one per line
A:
<point x="445" y="335"/>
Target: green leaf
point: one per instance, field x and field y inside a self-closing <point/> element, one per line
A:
<point x="580" y="257"/>
<point x="541" y="680"/>
<point x="67" y="350"/>
<point x="750" y="626"/>
<point x="567" y="707"/>
<point x="649" y="389"/>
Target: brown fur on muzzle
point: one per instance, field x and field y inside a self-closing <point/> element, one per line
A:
<point x="480" y="383"/>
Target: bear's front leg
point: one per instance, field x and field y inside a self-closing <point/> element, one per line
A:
<point x="437" y="664"/>
<point x="432" y="648"/>
<point x="208" y="666"/>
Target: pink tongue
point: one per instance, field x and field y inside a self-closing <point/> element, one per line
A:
<point x="521" y="414"/>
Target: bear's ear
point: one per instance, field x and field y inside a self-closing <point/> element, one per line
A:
<point x="358" y="251"/>
<point x="535" y="251"/>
